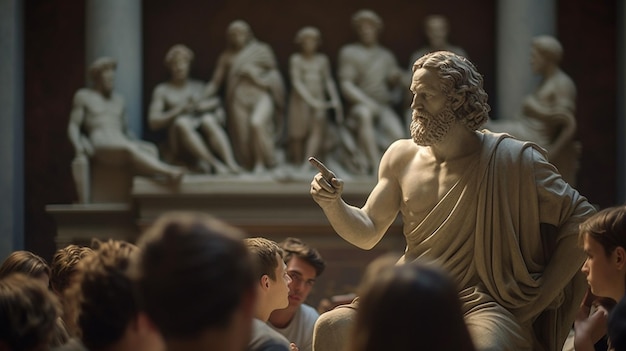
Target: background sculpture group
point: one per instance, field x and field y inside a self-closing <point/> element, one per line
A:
<point x="244" y="121"/>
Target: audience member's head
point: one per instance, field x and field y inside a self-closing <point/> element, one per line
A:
<point x="107" y="311"/>
<point x="63" y="266"/>
<point x="28" y="313"/>
<point x="402" y="306"/>
<point x="603" y="237"/>
<point x="304" y="266"/>
<point x="196" y="282"/>
<point x="270" y="272"/>
<point x="28" y="263"/>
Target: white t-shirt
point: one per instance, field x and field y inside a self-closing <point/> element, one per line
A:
<point x="300" y="329"/>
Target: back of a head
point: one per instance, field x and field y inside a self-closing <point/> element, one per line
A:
<point x="103" y="292"/>
<point x="193" y="274"/>
<point x="64" y="265"/>
<point x="418" y="304"/>
<point x="549" y="47"/>
<point x="28" y="312"/>
<point x="24" y="262"/>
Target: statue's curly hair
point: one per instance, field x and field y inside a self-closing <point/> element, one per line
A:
<point x="458" y="75"/>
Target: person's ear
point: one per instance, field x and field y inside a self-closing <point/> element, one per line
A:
<point x="265" y="282"/>
<point x="620" y="257"/>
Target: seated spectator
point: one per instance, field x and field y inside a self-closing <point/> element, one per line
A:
<point x="603" y="237"/>
<point x="28" y="311"/>
<point x="408" y="307"/>
<point x="272" y="293"/>
<point x="304" y="266"/>
<point x="108" y="315"/>
<point x="196" y="283"/>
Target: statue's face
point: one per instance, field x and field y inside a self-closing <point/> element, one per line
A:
<point x="537" y="61"/>
<point x="368" y="32"/>
<point x="238" y="37"/>
<point x="432" y="116"/>
<point x="107" y="79"/>
<point x="309" y="44"/>
<point x="437" y="32"/>
<point x="179" y="67"/>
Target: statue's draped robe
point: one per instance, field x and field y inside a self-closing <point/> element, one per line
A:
<point x="243" y="93"/>
<point x="495" y="231"/>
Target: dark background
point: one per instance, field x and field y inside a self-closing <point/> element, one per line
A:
<point x="54" y="54"/>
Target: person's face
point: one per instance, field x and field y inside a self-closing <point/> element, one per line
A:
<point x="179" y="66"/>
<point x="303" y="277"/>
<point x="238" y="37"/>
<point x="309" y="44"/>
<point x="368" y="32"/>
<point x="280" y="287"/>
<point x="437" y="32"/>
<point x="107" y="77"/>
<point x="432" y="117"/>
<point x="603" y="274"/>
<point x="537" y="61"/>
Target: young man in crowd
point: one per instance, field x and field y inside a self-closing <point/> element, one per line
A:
<point x="304" y="266"/>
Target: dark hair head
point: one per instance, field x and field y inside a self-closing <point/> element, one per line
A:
<point x="24" y="262"/>
<point x="459" y="77"/>
<point x="264" y="253"/>
<point x="607" y="227"/>
<point x="296" y="247"/>
<point x="28" y="312"/>
<point x="103" y="294"/>
<point x="414" y="302"/>
<point x="64" y="264"/>
<point x="193" y="273"/>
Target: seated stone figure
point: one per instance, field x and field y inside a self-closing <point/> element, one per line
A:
<point x="255" y="97"/>
<point x="107" y="155"/>
<point x="547" y="115"/>
<point x="195" y="122"/>
<point x="368" y="78"/>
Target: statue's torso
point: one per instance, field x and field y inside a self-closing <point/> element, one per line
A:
<point x="103" y="114"/>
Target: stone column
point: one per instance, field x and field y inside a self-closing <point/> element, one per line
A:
<point x="517" y="23"/>
<point x="621" y="101"/>
<point x="113" y="28"/>
<point x="11" y="128"/>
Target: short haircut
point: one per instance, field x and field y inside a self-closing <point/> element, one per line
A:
<point x="548" y="47"/>
<point x="459" y="76"/>
<point x="24" y="262"/>
<point x="607" y="227"/>
<point x="28" y="312"/>
<point x="264" y="253"/>
<point x="295" y="247"/>
<point x="178" y="50"/>
<point x="99" y="65"/>
<point x="103" y="292"/>
<point x="193" y="273"/>
<point x="64" y="264"/>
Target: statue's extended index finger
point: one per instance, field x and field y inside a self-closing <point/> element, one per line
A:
<point x="326" y="173"/>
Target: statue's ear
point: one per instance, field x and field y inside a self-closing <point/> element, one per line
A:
<point x="95" y="244"/>
<point x="457" y="100"/>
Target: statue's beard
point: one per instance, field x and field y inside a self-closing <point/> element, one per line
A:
<point x="427" y="130"/>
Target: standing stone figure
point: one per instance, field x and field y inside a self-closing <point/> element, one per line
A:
<point x="313" y="93"/>
<point x="547" y="115"/>
<point x="98" y="131"/>
<point x="436" y="28"/>
<point x="255" y="97"/>
<point x="368" y="76"/>
<point x="195" y="122"/>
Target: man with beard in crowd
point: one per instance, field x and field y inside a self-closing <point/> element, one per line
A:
<point x="489" y="208"/>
